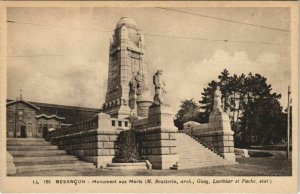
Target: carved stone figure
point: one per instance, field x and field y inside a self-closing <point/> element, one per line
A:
<point x="133" y="85"/>
<point x="137" y="83"/>
<point x="217" y="100"/>
<point x="159" y="86"/>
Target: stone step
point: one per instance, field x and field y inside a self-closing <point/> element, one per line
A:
<point x="28" y="143"/>
<point x="127" y="166"/>
<point x="202" y="162"/>
<point x="200" y="166"/>
<point x="198" y="161"/>
<point x="192" y="154"/>
<point x="32" y="153"/>
<point x="212" y="154"/>
<point x="190" y="145"/>
<point x="42" y="159"/>
<point x="200" y="158"/>
<point x="37" y="155"/>
<point x="199" y="150"/>
<point x="33" y="162"/>
<point x="25" y="140"/>
<point x="55" y="167"/>
<point x="201" y="154"/>
<point x="25" y="148"/>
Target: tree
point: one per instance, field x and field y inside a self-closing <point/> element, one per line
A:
<point x="207" y="102"/>
<point x="189" y="111"/>
<point x="254" y="110"/>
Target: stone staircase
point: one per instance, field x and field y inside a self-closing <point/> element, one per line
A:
<point x="36" y="154"/>
<point x="192" y="154"/>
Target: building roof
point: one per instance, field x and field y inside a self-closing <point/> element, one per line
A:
<point x="50" y="117"/>
<point x="72" y="114"/>
<point x="24" y="102"/>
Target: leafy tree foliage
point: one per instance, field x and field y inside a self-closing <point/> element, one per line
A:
<point x="189" y="111"/>
<point x="127" y="147"/>
<point x="255" y="111"/>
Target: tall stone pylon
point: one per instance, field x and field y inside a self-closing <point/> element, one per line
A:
<point x="127" y="87"/>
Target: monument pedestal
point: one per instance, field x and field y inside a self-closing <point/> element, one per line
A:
<point x="143" y="108"/>
<point x="219" y="123"/>
<point x="157" y="137"/>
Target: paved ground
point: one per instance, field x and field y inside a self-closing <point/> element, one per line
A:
<point x="246" y="167"/>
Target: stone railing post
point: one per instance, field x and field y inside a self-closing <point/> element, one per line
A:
<point x="106" y="138"/>
<point x="220" y="127"/>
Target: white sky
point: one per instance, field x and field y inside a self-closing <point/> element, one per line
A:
<point x="78" y="75"/>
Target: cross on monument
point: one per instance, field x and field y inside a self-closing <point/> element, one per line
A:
<point x="20" y="98"/>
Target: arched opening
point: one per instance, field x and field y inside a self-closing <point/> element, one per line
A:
<point x="45" y="130"/>
<point x="21" y="129"/>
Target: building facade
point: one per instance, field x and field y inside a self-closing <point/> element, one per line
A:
<point x="33" y="120"/>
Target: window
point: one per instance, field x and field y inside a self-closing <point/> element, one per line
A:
<point x="126" y="124"/>
<point x="11" y="127"/>
<point x="40" y="128"/>
<point x="120" y="123"/>
<point x="29" y="127"/>
<point x="113" y="123"/>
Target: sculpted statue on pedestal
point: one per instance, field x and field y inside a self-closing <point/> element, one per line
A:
<point x="137" y="83"/>
<point x="217" y="100"/>
<point x="159" y="86"/>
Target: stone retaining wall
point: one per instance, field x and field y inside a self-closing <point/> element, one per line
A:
<point x="220" y="141"/>
<point x="93" y="142"/>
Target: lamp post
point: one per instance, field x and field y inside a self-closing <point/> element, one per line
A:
<point x="15" y="121"/>
<point x="288" y="125"/>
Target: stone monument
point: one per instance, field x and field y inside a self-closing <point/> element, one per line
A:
<point x="157" y="133"/>
<point x="127" y="93"/>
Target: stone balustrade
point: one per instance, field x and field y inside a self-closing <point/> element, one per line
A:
<point x="92" y="140"/>
<point x="217" y="133"/>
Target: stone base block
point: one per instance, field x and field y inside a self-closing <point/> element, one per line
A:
<point x="161" y="162"/>
<point x="127" y="166"/>
<point x="99" y="161"/>
<point x="229" y="156"/>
